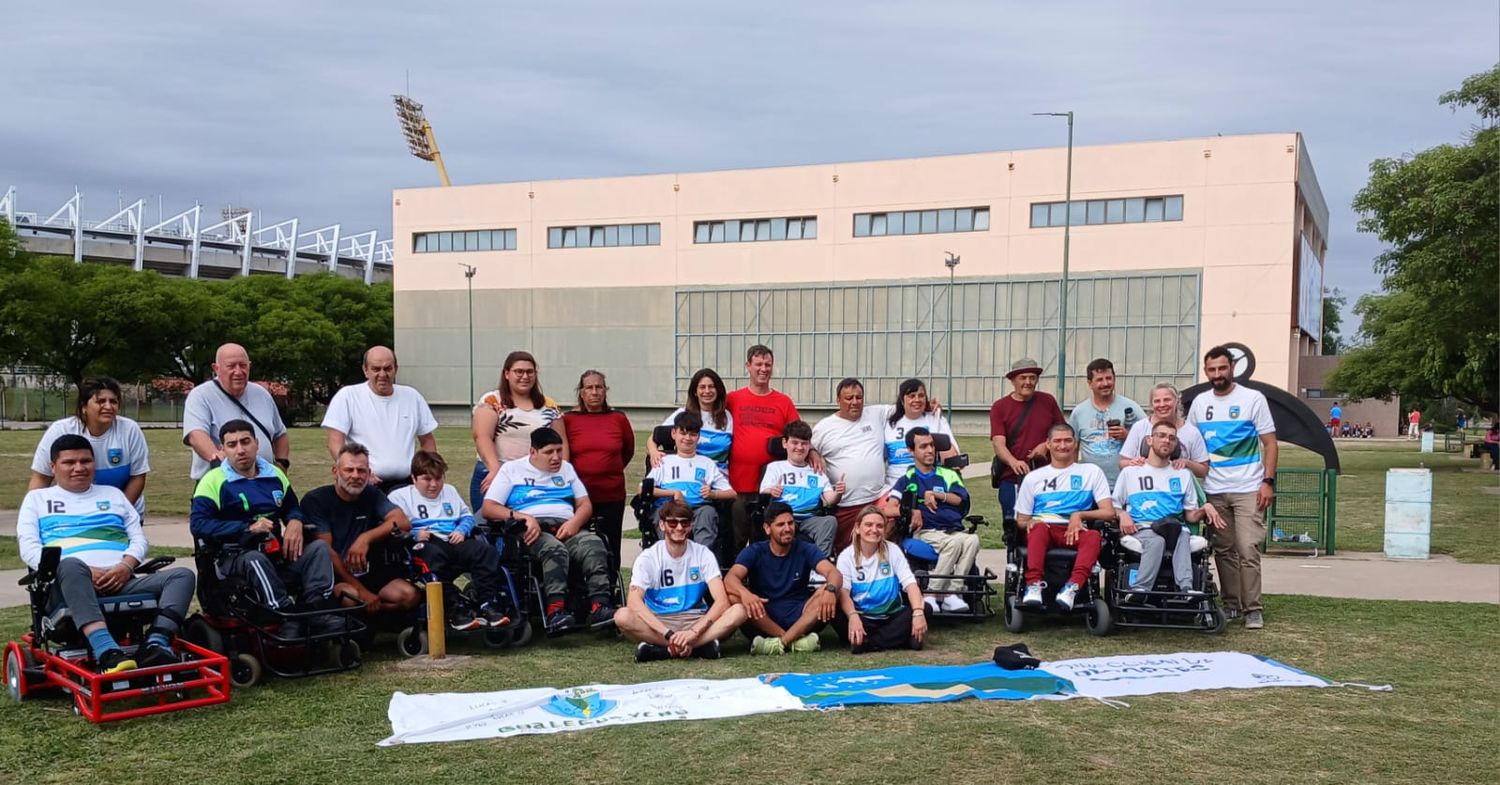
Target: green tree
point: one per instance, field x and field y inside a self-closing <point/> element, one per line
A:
<point x="1435" y="331"/>
<point x="1333" y="318"/>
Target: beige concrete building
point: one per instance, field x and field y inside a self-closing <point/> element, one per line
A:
<point x="1176" y="246"/>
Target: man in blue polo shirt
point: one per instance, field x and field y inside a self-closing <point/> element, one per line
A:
<point x="770" y="578"/>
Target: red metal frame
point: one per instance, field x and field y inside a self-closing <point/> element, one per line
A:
<point x="203" y="675"/>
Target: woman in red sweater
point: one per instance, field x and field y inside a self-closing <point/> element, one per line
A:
<point x="600" y="444"/>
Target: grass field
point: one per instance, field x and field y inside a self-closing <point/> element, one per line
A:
<point x="1438" y="726"/>
<point x="1466" y="518"/>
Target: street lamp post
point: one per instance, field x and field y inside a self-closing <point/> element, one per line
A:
<point x="469" y="271"/>
<point x="952" y="264"/>
<point x="1062" y="309"/>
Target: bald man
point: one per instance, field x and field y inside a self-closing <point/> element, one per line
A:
<point x="231" y="396"/>
<point x="391" y="419"/>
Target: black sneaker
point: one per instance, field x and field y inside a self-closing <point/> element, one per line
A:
<point x="292" y="630"/>
<point x="493" y="616"/>
<point x="464" y="620"/>
<point x="115" y="661"/>
<point x="602" y="615"/>
<point x="708" y="651"/>
<point x="153" y="654"/>
<point x="328" y="624"/>
<point x="649" y="652"/>
<point x="560" y="620"/>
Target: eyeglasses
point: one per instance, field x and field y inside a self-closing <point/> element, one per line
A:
<point x="680" y="522"/>
<point x="523" y="371"/>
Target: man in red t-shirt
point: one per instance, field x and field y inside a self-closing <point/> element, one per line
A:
<point x="759" y="413"/>
<point x="1018" y="429"/>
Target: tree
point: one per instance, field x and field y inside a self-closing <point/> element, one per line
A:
<point x="1435" y="331"/>
<point x="1333" y="317"/>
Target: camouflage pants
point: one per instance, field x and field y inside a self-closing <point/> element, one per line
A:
<point x="584" y="549"/>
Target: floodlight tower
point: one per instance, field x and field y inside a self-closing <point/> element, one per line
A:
<point x="418" y="131"/>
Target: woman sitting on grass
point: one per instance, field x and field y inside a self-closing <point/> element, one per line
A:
<point x="875" y="575"/>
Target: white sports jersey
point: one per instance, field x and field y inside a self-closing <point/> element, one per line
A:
<point x="675" y="585"/>
<point x="1150" y="494"/>
<point x="98" y="526"/>
<point x="1232" y="426"/>
<point x="1188" y="438"/>
<point x="1050" y="494"/>
<point x="802" y="487"/>
<point x="442" y="516"/>
<point x="119" y="454"/>
<point x="897" y="457"/>
<point x="387" y="424"/>
<point x="875" y="585"/>
<point x="677" y="473"/>
<point x="712" y="442"/>
<point x="523" y="487"/>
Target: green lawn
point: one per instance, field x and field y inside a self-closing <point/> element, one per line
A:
<point x="1465" y="516"/>
<point x="1434" y="728"/>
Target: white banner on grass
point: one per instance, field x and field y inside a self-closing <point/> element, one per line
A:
<point x="1148" y="674"/>
<point x="486" y="715"/>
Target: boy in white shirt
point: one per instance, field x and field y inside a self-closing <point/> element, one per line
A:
<point x="687" y="476"/>
<point x="803" y="488"/>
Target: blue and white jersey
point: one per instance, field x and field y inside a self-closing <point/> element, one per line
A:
<point x="441" y="516"/>
<point x="677" y="473"/>
<point x="712" y="442"/>
<point x="675" y="585"/>
<point x="897" y="458"/>
<point x="119" y="454"/>
<point x="1150" y="494"/>
<point x="875" y="585"/>
<point x="1050" y="494"/>
<point x="97" y="526"/>
<point x="802" y="487"/>
<point x="523" y="487"/>
<point x="1232" y="426"/>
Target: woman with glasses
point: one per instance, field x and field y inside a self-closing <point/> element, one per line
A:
<point x="504" y="419"/>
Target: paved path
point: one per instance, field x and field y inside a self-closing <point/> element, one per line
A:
<point x="1354" y="575"/>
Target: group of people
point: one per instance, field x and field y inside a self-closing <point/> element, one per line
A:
<point x="559" y="477"/>
<point x="1338" y="427"/>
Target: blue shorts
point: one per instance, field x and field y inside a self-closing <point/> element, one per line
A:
<point x="785" y="612"/>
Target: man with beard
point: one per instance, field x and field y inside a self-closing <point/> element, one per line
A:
<point x="363" y="529"/>
<point x="1236" y="425"/>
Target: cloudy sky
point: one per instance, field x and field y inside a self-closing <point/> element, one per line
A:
<point x="285" y="106"/>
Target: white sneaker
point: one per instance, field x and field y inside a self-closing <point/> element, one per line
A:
<point x="1033" y="596"/>
<point x="955" y="604"/>
<point x="931" y="602"/>
<point x="1066" y="594"/>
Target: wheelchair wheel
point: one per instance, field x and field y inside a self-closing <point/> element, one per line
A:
<point x="15" y="675"/>
<point x="1015" y="620"/>
<point x="245" y="670"/>
<point x="199" y="631"/>
<point x="412" y="642"/>
<point x="349" y="654"/>
<point x="1098" y="619"/>
<point x="1215" y="621"/>
<point x="520" y="633"/>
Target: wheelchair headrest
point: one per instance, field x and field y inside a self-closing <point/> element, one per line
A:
<point x="776" y="448"/>
<point x="662" y="435"/>
<point x="941" y="442"/>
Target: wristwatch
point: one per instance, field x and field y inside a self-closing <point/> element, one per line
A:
<point x="830" y="588"/>
<point x="1271" y="481"/>
<point x="284" y="463"/>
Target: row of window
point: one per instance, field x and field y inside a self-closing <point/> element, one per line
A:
<point x="603" y="236"/>
<point x="1107" y="211"/>
<point x="751" y="230"/>
<point x="962" y="219"/>
<point x="480" y="240"/>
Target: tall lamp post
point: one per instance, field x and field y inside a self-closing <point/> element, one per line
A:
<point x="418" y="132"/>
<point x="469" y="271"/>
<point x="1062" y="309"/>
<point x="952" y="264"/>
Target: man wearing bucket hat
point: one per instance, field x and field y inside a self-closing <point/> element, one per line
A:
<point x="1019" y="423"/>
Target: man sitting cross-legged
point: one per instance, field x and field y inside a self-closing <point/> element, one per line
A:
<point x="677" y="605"/>
<point x="770" y="578"/>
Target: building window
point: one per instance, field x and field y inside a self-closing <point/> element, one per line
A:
<point x="610" y="236"/>
<point x="1094" y="212"/>
<point x="472" y="240"/>
<point x="749" y="230"/>
<point x="962" y="219"/>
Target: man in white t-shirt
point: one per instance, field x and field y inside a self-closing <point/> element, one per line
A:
<point x="852" y="444"/>
<point x="231" y="396"/>
<point x="677" y="605"/>
<point x="1236" y="425"/>
<point x="687" y="476"/>
<point x="390" y="419"/>
<point x="806" y="490"/>
<point x="544" y="492"/>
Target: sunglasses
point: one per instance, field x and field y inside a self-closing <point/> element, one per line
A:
<point x="684" y="522"/>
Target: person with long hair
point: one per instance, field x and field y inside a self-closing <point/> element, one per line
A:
<point x="706" y="398"/>
<point x="1166" y="406"/>
<point x="913" y="409"/>
<point x="602" y="444"/>
<point x="504" y="419"/>
<point x="121" y="458"/>
<point x="876" y="576"/>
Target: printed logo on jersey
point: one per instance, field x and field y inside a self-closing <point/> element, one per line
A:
<point x="885" y="568"/>
<point x="447" y="508"/>
<point x="694" y="575"/>
<point x="103" y="506"/>
<point x="699" y="474"/>
<point x="1234" y="412"/>
<point x="1075" y="482"/>
<point x="557" y="481"/>
<point x="276" y="497"/>
<point x="1175" y="484"/>
<point x="115" y="456"/>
